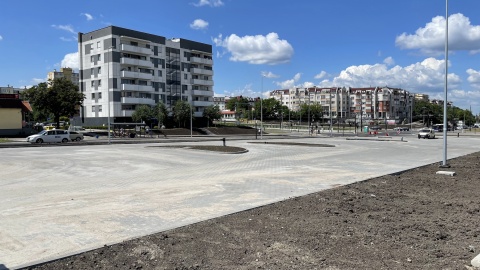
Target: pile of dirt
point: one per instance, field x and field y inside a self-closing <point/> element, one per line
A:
<point x="412" y="220"/>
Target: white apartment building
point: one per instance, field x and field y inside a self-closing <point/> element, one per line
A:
<point x="348" y="103"/>
<point x="122" y="68"/>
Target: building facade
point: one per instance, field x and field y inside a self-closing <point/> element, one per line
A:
<point x="349" y="103"/>
<point x="66" y="73"/>
<point x="121" y="69"/>
<point x="13" y="113"/>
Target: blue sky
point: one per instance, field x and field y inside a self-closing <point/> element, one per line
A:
<point x="263" y="45"/>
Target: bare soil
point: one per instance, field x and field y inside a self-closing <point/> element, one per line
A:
<point x="416" y="219"/>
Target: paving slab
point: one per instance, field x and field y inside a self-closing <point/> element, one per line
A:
<point x="58" y="201"/>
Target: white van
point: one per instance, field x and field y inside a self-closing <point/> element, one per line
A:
<point x="50" y="136"/>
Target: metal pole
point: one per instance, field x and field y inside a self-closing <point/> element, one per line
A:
<point x="108" y="92"/>
<point x="191" y="120"/>
<point x="308" y="118"/>
<point x="330" y="112"/>
<point x="261" y="112"/>
<point x="445" y="123"/>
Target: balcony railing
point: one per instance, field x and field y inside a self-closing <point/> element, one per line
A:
<point x="135" y="49"/>
<point x="137" y="75"/>
<point x="202" y="71"/>
<point x="202" y="93"/>
<point x="202" y="103"/>
<point x="136" y="62"/>
<point x="201" y="82"/>
<point x="201" y="60"/>
<point x="134" y="100"/>
<point x="136" y="87"/>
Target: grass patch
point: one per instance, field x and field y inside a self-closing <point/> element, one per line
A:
<point x="4" y="140"/>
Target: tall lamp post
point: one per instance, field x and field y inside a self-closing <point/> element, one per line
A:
<point x="308" y="117"/>
<point x="261" y="112"/>
<point x="445" y="123"/>
<point x="108" y="92"/>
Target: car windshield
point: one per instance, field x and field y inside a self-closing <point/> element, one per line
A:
<point x="425" y="130"/>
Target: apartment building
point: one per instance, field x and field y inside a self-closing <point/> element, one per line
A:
<point x="66" y="73"/>
<point x="346" y="102"/>
<point x="121" y="69"/>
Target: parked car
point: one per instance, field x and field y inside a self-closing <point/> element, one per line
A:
<point x="401" y="129"/>
<point x="76" y="136"/>
<point x="426" y="133"/>
<point x="50" y="136"/>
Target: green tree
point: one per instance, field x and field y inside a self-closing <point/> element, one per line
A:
<point x="160" y="111"/>
<point x="212" y="113"/>
<point x="59" y="97"/>
<point x="181" y="112"/>
<point x="143" y="113"/>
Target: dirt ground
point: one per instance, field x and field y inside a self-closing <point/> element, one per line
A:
<point x="412" y="220"/>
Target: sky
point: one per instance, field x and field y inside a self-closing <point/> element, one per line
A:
<point x="264" y="45"/>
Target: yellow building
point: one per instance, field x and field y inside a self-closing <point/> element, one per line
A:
<point x="12" y="114"/>
<point x="66" y="73"/>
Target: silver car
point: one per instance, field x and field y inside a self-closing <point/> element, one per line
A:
<point x="50" y="136"/>
<point x="426" y="133"/>
<point x="76" y="136"/>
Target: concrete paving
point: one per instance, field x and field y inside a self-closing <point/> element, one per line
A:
<point x="57" y="201"/>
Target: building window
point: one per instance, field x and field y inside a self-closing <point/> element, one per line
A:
<point x="93" y="96"/>
<point x="98" y="44"/>
<point x="99" y="70"/>
<point x="99" y="82"/>
<point x="185" y="76"/>
<point x="99" y="57"/>
<point x="99" y="95"/>
<point x="92" y="59"/>
<point x="93" y="83"/>
<point x="93" y="108"/>
<point x="159" y="73"/>
<point x="99" y="108"/>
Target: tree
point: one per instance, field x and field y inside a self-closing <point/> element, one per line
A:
<point x="212" y="113"/>
<point x="160" y="111"/>
<point x="181" y="112"/>
<point x="143" y="113"/>
<point x="59" y="97"/>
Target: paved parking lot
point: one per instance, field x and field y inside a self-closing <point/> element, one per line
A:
<point x="56" y="201"/>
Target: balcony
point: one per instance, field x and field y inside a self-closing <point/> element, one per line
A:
<point x="202" y="93"/>
<point x="201" y="60"/>
<point x="134" y="100"/>
<point x="202" y="103"/>
<point x="137" y="75"/>
<point x="135" y="49"/>
<point x="202" y="71"/>
<point x="136" y="87"/>
<point x="201" y="82"/>
<point x="136" y="62"/>
<point x="127" y="113"/>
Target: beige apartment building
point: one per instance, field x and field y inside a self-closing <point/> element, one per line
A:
<point x="375" y="103"/>
<point x="66" y="73"/>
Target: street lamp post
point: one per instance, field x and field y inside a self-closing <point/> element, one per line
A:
<point x="108" y="93"/>
<point x="308" y="117"/>
<point x="445" y="122"/>
<point x="261" y="112"/>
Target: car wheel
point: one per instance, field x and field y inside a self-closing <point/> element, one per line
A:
<point x="419" y="136"/>
<point x="78" y="139"/>
<point x="64" y="140"/>
<point x="39" y="141"/>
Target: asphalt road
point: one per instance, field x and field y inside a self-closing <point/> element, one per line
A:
<point x="56" y="201"/>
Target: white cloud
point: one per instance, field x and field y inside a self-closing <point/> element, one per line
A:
<point x="287" y="84"/>
<point x="87" y="16"/>
<point x="246" y="91"/>
<point x="67" y="28"/>
<point x="462" y="35"/>
<point x="37" y="81"/>
<point x="422" y="77"/>
<point x="71" y="60"/>
<point x="321" y="75"/>
<point x="199" y="24"/>
<point x="1" y="38"/>
<point x="74" y="38"/>
<point x="389" y="61"/>
<point x="473" y="77"/>
<point x="212" y="3"/>
<point x="257" y="49"/>
<point x="269" y="75"/>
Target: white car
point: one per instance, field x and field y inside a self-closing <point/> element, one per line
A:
<point x="426" y="133"/>
<point x="50" y="136"/>
<point x="76" y="136"/>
